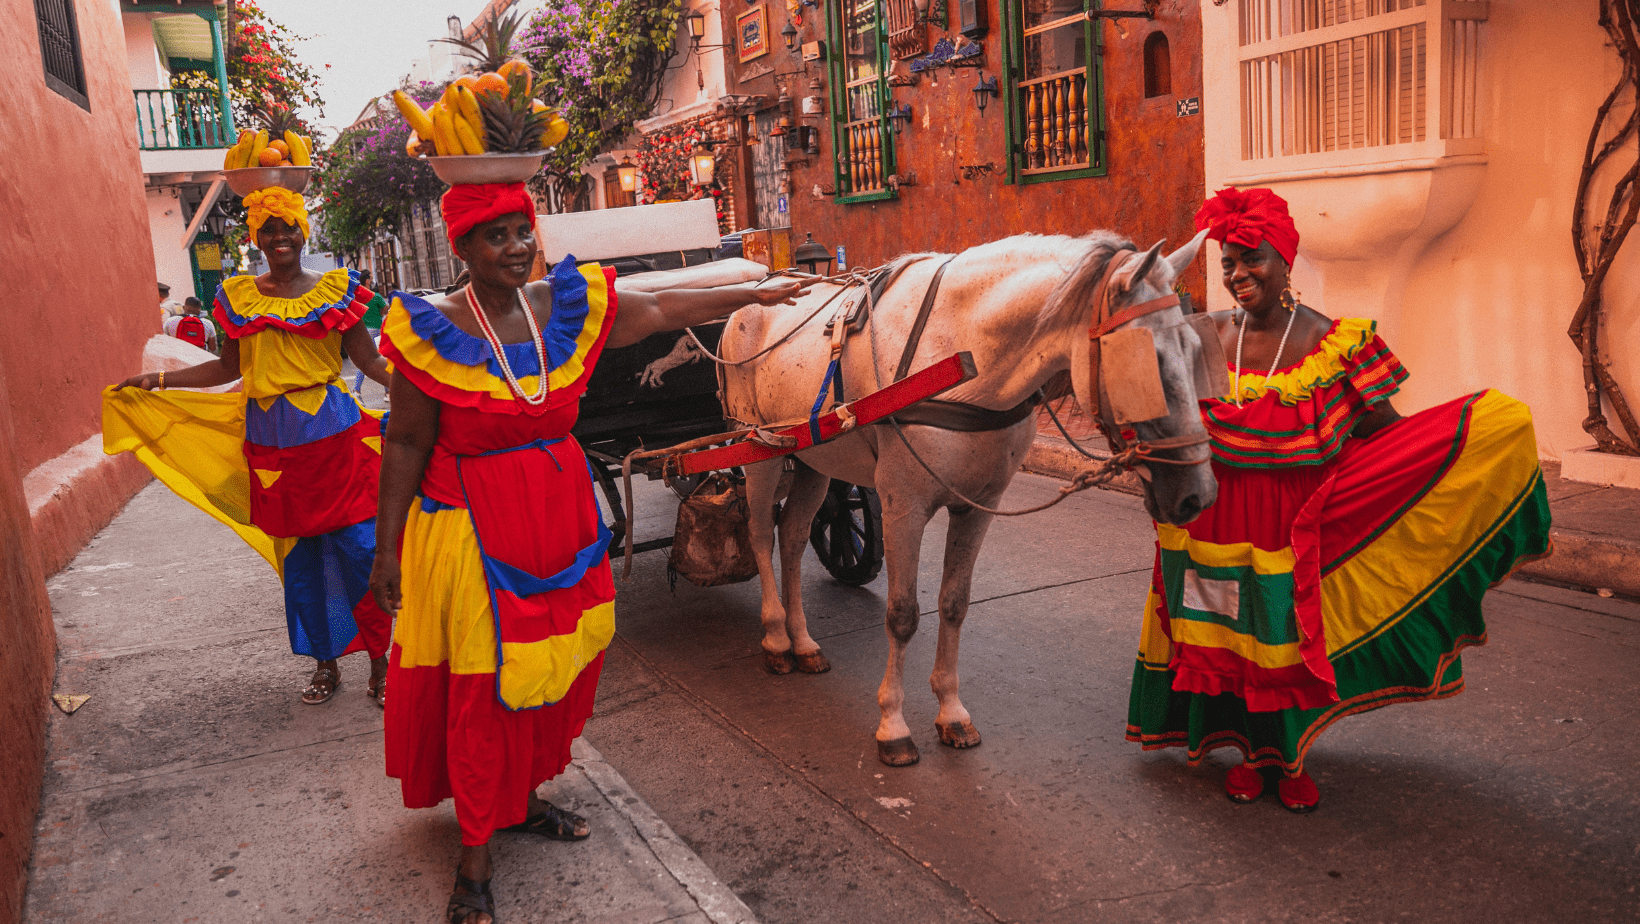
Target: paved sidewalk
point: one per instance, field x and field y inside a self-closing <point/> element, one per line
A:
<point x="194" y="786"/>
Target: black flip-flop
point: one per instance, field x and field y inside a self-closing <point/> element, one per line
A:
<point x="554" y="823"/>
<point x="470" y="898"/>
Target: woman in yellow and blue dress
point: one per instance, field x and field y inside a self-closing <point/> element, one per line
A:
<point x="1342" y="567"/>
<point x="490" y="544"/>
<point x="291" y="463"/>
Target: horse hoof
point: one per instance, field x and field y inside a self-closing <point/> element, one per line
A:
<point x="960" y="735"/>
<point x="901" y="752"/>
<point x="779" y="663"/>
<point x="813" y="663"/>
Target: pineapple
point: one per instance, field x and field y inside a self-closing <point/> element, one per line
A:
<point x="512" y="123"/>
<point x="497" y="40"/>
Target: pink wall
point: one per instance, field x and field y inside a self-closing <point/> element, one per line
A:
<point x="78" y="274"/>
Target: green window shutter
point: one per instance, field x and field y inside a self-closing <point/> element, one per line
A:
<point x="1054" y="90"/>
<point x="862" y="144"/>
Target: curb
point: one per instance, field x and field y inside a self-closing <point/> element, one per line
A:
<point x="715" y="900"/>
<point x="1579" y="558"/>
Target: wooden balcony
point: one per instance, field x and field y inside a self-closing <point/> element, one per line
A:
<point x="1056" y="122"/>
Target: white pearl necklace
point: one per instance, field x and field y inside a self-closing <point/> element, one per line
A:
<point x="1242" y="336"/>
<point x="540" y="395"/>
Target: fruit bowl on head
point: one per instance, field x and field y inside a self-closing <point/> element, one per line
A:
<point x="487" y="168"/>
<point x="247" y="180"/>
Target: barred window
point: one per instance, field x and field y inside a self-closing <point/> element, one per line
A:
<point x="60" y="49"/>
<point x="1054" y="90"/>
<point x="862" y="145"/>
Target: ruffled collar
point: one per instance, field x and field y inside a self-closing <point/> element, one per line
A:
<point x="1317" y="369"/>
<point x="559" y="335"/>
<point x="243" y="303"/>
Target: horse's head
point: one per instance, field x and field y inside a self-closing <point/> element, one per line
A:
<point x="1178" y="481"/>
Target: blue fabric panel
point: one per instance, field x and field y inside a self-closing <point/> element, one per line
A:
<point x="325" y="578"/>
<point x="569" y="312"/>
<point x="520" y="583"/>
<point x="284" y="424"/>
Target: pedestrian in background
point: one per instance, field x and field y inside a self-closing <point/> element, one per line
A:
<point x="168" y="306"/>
<point x="372" y="322"/>
<point x="191" y="327"/>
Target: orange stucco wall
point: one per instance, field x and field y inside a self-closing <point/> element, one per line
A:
<point x="77" y="270"/>
<point x="78" y="261"/>
<point x="1151" y="191"/>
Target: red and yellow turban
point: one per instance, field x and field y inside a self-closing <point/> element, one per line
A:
<point x="276" y="202"/>
<point x="1249" y="217"/>
<point x="468" y="205"/>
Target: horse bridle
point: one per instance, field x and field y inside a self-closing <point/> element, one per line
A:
<point x="1104" y="322"/>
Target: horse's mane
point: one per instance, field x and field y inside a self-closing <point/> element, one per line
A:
<point x="1074" y="294"/>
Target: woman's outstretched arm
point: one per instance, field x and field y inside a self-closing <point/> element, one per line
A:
<point x="208" y="374"/>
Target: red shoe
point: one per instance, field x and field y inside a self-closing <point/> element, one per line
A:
<point x="1299" y="794"/>
<point x="1244" y="784"/>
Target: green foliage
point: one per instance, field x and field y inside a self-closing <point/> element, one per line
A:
<point x="367" y="183"/>
<point x="600" y="64"/>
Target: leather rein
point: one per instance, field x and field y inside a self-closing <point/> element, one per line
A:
<point x="1106" y="321"/>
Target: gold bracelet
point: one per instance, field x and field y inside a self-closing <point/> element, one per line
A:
<point x="162" y="380"/>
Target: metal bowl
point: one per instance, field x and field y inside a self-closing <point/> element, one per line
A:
<point x="487" y="168"/>
<point x="247" y="180"/>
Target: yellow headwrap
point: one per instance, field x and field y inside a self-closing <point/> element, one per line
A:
<point x="276" y="202"/>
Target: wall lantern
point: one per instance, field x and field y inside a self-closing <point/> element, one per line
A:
<point x="899" y="116"/>
<point x="811" y="254"/>
<point x="790" y="35"/>
<point x="811" y="139"/>
<point x="985" y="88"/>
<point x="628" y="172"/>
<point x="922" y="10"/>
<point x="701" y="166"/>
<point x="697" y="26"/>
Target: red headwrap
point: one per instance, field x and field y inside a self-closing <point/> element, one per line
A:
<point x="468" y="205"/>
<point x="1249" y="217"/>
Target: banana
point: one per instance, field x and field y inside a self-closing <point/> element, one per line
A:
<point x="230" y="158"/>
<point x="444" y="132"/>
<point x="258" y="145"/>
<point x="467" y="105"/>
<point x="299" y="156"/>
<point x="419" y="121"/>
<point x="470" y="143"/>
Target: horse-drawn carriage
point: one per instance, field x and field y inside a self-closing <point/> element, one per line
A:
<point x="663" y="391"/>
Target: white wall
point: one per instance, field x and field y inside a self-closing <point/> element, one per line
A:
<point x="141" y="57"/>
<point x="1486" y="301"/>
<point x="166" y="227"/>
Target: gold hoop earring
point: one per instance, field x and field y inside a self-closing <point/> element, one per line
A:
<point x="1288" y="299"/>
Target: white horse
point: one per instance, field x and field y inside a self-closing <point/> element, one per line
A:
<point x="1022" y="307"/>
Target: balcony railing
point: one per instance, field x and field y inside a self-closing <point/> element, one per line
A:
<point x="170" y="120"/>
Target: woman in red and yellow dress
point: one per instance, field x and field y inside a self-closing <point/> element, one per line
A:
<point x="490" y="544"/>
<point x="291" y="463"/>
<point x="1343" y="566"/>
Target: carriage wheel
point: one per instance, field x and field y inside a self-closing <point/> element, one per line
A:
<point x="847" y="533"/>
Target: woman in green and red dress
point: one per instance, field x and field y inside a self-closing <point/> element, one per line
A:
<point x="1343" y="566"/>
<point x="504" y="596"/>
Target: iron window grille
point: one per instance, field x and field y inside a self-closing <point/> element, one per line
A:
<point x="60" y="50"/>
<point x="1054" y="90"/>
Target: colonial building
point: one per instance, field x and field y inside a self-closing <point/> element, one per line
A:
<point x="1432" y="151"/>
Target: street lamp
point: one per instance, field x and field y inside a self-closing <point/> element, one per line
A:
<point x="810" y="254"/>
<point x="701" y="165"/>
<point x="697" y="26"/>
<point x="628" y="173"/>
<point x="790" y="35"/>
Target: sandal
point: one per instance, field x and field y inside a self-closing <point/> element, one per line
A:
<point x="554" y="823"/>
<point x="1244" y="784"/>
<point x="323" y="686"/>
<point x="376" y="689"/>
<point x="469" y="898"/>
<point x="1298" y="794"/>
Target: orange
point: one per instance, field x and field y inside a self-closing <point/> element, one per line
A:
<point x="516" y="66"/>
<point x="466" y="80"/>
<point x="269" y="157"/>
<point x="281" y="147"/>
<point x="491" y="83"/>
